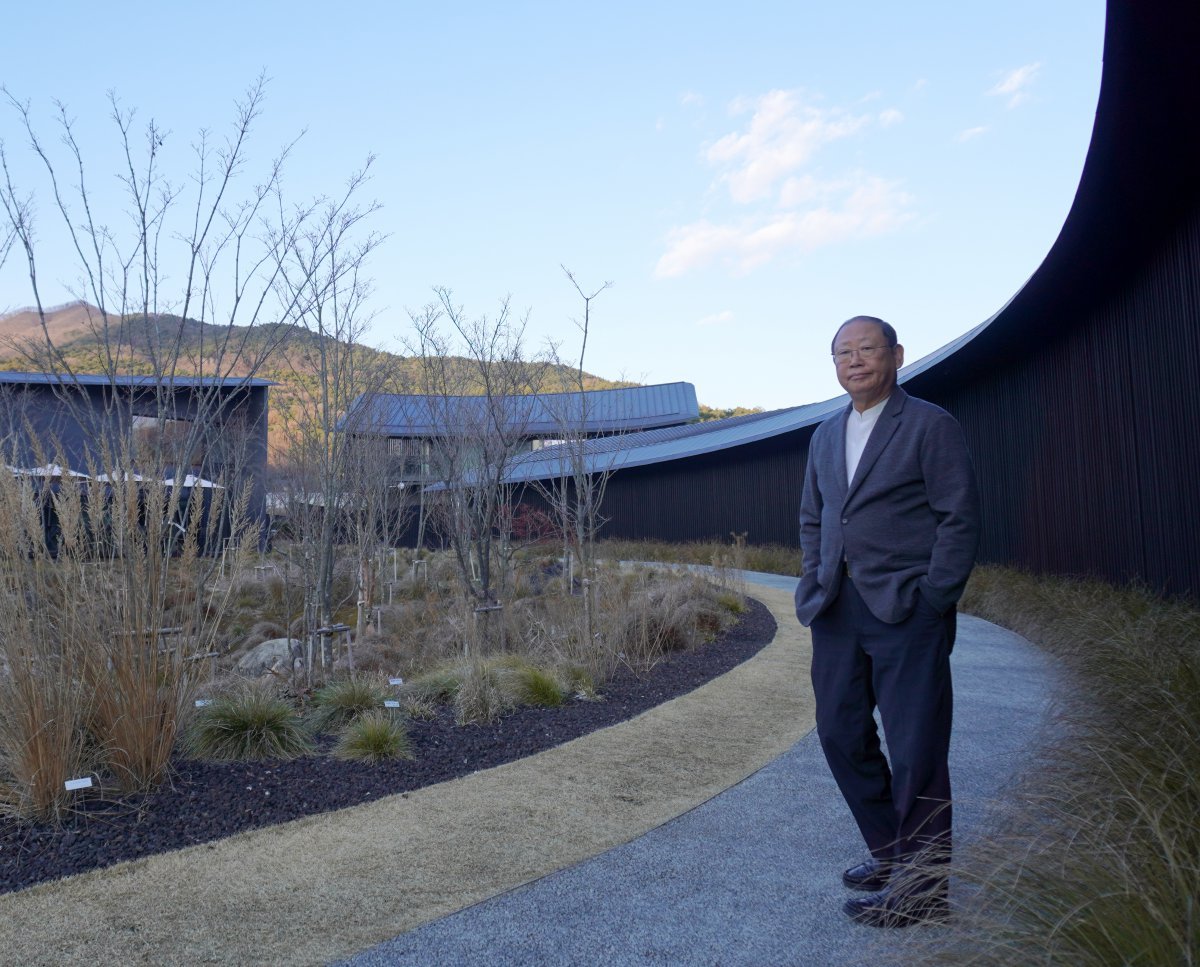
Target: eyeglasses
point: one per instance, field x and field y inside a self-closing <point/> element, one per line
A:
<point x="865" y="352"/>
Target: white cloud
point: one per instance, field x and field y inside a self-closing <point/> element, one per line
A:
<point x="803" y="190"/>
<point x="861" y="206"/>
<point x="783" y="135"/>
<point x="717" y="318"/>
<point x="970" y="133"/>
<point x="688" y="98"/>
<point x="1015" y="84"/>
<point x="778" y="201"/>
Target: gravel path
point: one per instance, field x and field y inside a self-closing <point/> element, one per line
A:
<point x="750" y="878"/>
<point x="322" y="887"/>
<point x="704" y="831"/>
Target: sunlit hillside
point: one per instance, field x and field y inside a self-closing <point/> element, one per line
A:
<point x="83" y="341"/>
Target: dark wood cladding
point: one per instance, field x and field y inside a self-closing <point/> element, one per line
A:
<point x="752" y="489"/>
<point x="1086" y="443"/>
<point x="1081" y="399"/>
<point x="1088" y="447"/>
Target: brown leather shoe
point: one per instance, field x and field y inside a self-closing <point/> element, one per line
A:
<point x="871" y="876"/>
<point x="888" y="908"/>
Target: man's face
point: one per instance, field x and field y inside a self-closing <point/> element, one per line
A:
<point x="867" y="376"/>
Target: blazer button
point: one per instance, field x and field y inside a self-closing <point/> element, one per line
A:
<point x="845" y="520"/>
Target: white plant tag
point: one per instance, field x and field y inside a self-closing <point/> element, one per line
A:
<point x="201" y="702"/>
<point x="395" y="681"/>
<point x="390" y="703"/>
<point x="72" y="784"/>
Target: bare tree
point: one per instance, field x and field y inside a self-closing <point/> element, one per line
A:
<point x="186" y="293"/>
<point x="8" y="237"/>
<point x="339" y="459"/>
<point x="575" y="491"/>
<point x="479" y="387"/>
<point x="191" y="280"/>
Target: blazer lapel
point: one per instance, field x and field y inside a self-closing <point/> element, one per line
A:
<point x="885" y="428"/>
<point x="839" y="456"/>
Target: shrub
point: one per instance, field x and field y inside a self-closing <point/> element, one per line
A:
<point x="373" y="737"/>
<point x="250" y="722"/>
<point x="340" y="702"/>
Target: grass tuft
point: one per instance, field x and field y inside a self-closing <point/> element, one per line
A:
<point x="416" y="707"/>
<point x="339" y="703"/>
<point x="481" y="696"/>
<point x="731" y="602"/>
<point x="373" y="737"/>
<point x="537" y="686"/>
<point x="580" y="682"/>
<point x="248" y="723"/>
<point x="438" y="685"/>
<point x="42" y="741"/>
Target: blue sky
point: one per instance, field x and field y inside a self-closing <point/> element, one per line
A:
<point x="746" y="175"/>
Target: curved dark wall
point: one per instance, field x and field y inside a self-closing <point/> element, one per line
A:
<point x="1088" y="446"/>
<point x="1081" y="398"/>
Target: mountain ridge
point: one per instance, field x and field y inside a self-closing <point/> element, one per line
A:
<point x="143" y="344"/>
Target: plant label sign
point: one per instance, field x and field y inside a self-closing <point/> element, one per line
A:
<point x="72" y="784"/>
<point x="202" y="702"/>
<point x="391" y="703"/>
<point x="395" y="681"/>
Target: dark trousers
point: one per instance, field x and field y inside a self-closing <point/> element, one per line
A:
<point x="859" y="663"/>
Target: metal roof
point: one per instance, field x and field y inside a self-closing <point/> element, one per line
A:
<point x="543" y="415"/>
<point x="696" y="439"/>
<point x="675" y="443"/>
<point x="95" y="379"/>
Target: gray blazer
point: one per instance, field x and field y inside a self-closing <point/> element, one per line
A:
<point x="907" y="522"/>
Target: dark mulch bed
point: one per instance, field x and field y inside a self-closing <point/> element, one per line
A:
<point x="207" y="800"/>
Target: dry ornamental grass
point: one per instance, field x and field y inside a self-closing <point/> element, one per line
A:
<point x="96" y="627"/>
<point x="1094" y="859"/>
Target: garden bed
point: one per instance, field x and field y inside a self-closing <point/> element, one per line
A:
<point x="205" y="801"/>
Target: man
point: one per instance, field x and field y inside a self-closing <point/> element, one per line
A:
<point x="889" y="527"/>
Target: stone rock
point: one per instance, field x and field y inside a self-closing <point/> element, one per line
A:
<point x="276" y="653"/>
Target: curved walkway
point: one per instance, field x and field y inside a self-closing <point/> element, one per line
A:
<point x="326" y="886"/>
<point x="750" y="877"/>
<point x="705" y="831"/>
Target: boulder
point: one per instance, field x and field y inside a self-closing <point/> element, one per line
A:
<point x="274" y="654"/>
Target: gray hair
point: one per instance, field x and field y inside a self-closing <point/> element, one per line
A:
<point x="889" y="333"/>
